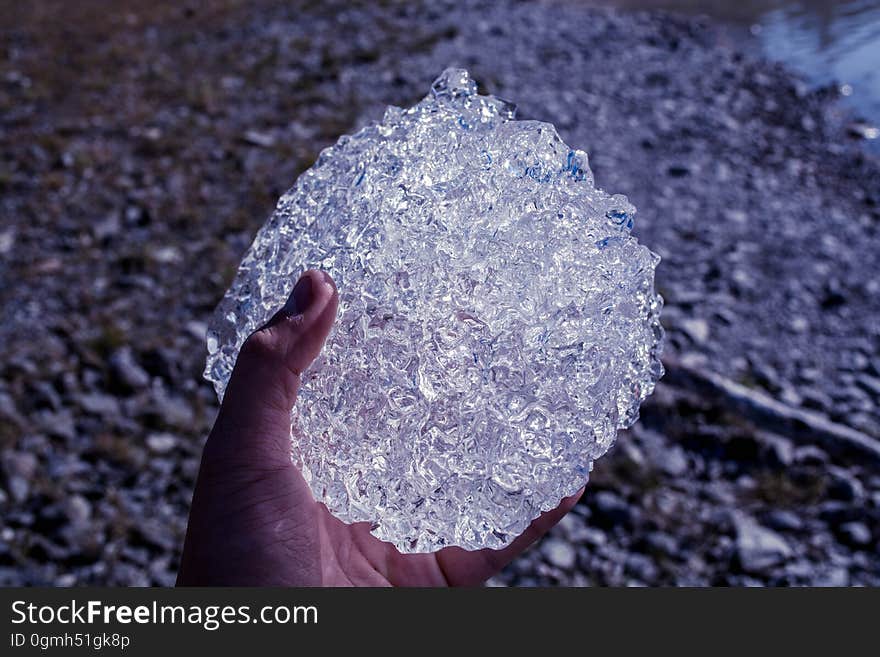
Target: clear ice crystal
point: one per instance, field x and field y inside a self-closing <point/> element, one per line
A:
<point x="497" y="321"/>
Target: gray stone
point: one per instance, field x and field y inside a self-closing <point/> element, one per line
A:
<point x="662" y="543"/>
<point x="559" y="553"/>
<point x="99" y="404"/>
<point x="257" y="138"/>
<point x="174" y="411"/>
<point x="835" y="512"/>
<point x="58" y="423"/>
<point x="870" y="384"/>
<point x="781" y="449"/>
<point x="810" y="455"/>
<point x="671" y="460"/>
<point x="20" y="464"/>
<point x="836" y="577"/>
<point x="784" y="520"/>
<point x="790" y="396"/>
<point x="78" y="510"/>
<point x="758" y="548"/>
<point x="127" y="370"/>
<point x="8" y="410"/>
<point x="198" y="330"/>
<point x="642" y="567"/>
<point x="161" y="443"/>
<point x="595" y="537"/>
<point x="18" y="487"/>
<point x="800" y="570"/>
<point x="697" y="329"/>
<point x="855" y="534"/>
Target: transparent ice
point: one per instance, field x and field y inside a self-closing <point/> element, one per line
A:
<point x="497" y="321"/>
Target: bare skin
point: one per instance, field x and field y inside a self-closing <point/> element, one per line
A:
<point x="253" y="520"/>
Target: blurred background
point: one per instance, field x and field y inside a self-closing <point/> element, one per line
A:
<point x="142" y="144"/>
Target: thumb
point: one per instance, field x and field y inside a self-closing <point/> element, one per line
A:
<point x="254" y="418"/>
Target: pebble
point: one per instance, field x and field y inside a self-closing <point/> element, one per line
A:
<point x="127" y="370"/>
<point x="258" y="138"/>
<point x="20" y="464"/>
<point x="784" y="520"/>
<point x="662" y="543"/>
<point x="559" y="553"/>
<point x="836" y="577"/>
<point x="594" y="537"/>
<point x="642" y="567"/>
<point x="610" y="509"/>
<point x="810" y="455"/>
<point x="78" y="509"/>
<point x="174" y="411"/>
<point x="856" y="534"/>
<point x="161" y="443"/>
<point x="790" y="396"/>
<point x="844" y="485"/>
<point x="18" y="487"/>
<point x="99" y="404"/>
<point x="672" y="461"/>
<point x="870" y="384"/>
<point x="697" y="329"/>
<point x="758" y="548"/>
<point x="198" y="330"/>
<point x="835" y="512"/>
<point x="781" y="449"/>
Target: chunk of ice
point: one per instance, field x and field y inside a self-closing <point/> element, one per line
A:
<point x="497" y="321"/>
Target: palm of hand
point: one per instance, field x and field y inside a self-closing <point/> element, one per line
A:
<point x="253" y="519"/>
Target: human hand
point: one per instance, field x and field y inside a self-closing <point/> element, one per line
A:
<point x="254" y="521"/>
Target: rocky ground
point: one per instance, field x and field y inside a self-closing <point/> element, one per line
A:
<point x="142" y="149"/>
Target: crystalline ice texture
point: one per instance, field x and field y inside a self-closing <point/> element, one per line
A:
<point x="497" y="321"/>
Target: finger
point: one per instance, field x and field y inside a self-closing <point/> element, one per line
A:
<point x="471" y="568"/>
<point x="264" y="383"/>
<point x="301" y="326"/>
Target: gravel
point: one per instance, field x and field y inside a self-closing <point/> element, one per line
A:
<point x="138" y="166"/>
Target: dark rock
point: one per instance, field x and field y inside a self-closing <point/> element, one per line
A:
<point x="662" y="543"/>
<point x="844" y="485"/>
<point x="871" y="385"/>
<point x="641" y="567"/>
<point x="609" y="509"/>
<point x="153" y="534"/>
<point x="836" y="513"/>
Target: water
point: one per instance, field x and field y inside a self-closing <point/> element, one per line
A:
<point x="827" y="41"/>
